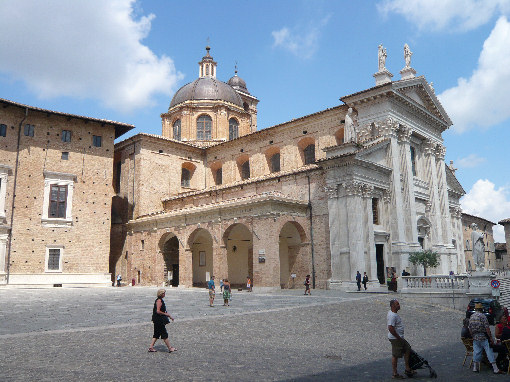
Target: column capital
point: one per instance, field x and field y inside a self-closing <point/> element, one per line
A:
<point x="440" y="151"/>
<point x="403" y="133"/>
<point x="332" y="191"/>
<point x="429" y="147"/>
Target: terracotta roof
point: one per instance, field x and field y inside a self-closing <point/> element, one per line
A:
<point x="120" y="128"/>
<point x="478" y="217"/>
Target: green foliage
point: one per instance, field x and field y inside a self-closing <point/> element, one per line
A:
<point x="426" y="258"/>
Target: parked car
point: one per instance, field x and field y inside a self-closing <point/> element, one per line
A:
<point x="491" y="308"/>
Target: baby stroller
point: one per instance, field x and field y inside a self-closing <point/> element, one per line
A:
<point x="416" y="361"/>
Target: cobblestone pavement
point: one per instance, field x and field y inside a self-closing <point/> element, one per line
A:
<point x="103" y="334"/>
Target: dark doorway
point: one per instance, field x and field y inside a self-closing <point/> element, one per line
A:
<point x="379" y="258"/>
<point x="171" y="258"/>
<point x="421" y="240"/>
<point x="175" y="272"/>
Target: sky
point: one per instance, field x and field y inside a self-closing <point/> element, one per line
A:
<point x="123" y="60"/>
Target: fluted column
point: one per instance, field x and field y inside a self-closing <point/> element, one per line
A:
<point x="434" y="208"/>
<point x="338" y="243"/>
<point x="443" y="195"/>
<point x="370" y="256"/>
<point x="354" y="193"/>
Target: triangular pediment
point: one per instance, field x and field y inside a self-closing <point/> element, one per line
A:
<point x="419" y="91"/>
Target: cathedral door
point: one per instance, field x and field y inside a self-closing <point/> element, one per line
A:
<point x="379" y="257"/>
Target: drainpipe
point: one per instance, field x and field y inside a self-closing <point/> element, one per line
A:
<point x="14" y="194"/>
<point x="311" y="232"/>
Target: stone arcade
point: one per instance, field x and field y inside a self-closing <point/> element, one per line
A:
<point x="212" y="195"/>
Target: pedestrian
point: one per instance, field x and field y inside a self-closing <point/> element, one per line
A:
<point x="221" y="285"/>
<point x="160" y="317"/>
<point x="358" y="280"/>
<point x="119" y="278"/>
<point x="248" y="283"/>
<point x="307" y="285"/>
<point x="227" y="293"/>
<point x="212" y="291"/>
<point x="482" y="336"/>
<point x="365" y="280"/>
<point x="399" y="346"/>
<point x="394" y="282"/>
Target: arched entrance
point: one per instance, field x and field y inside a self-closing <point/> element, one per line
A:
<point x="238" y="240"/>
<point x="291" y="237"/>
<point x="200" y="243"/>
<point x="169" y="247"/>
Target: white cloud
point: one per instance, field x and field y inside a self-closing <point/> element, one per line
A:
<point x="482" y="99"/>
<point x="487" y="202"/>
<point x="470" y="161"/>
<point x="460" y="15"/>
<point x="300" y="41"/>
<point x="83" y="49"/>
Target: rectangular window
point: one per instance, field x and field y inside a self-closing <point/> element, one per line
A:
<point x="275" y="163"/>
<point x="3" y="130"/>
<point x="118" y="173"/>
<point x="66" y="135"/>
<point x="65" y="155"/>
<point x="29" y="130"/>
<point x="375" y="210"/>
<point x="185" y="177"/>
<point x="97" y="140"/>
<point x="413" y="160"/>
<point x="245" y="170"/>
<point x="142" y="245"/>
<point x="219" y="176"/>
<point x="53" y="259"/>
<point x="58" y="201"/>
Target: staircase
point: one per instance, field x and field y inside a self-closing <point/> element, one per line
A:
<point x="504" y="288"/>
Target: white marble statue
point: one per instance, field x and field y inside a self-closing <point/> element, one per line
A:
<point x="382" y="58"/>
<point x="407" y="55"/>
<point x="478" y="247"/>
<point x="350" y="134"/>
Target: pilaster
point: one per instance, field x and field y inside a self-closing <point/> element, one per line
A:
<point x="434" y="213"/>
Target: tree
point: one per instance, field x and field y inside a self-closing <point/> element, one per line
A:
<point x="427" y="258"/>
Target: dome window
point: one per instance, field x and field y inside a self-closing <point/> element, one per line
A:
<point x="204" y="127"/>
<point x="177" y="130"/>
<point x="233" y="129"/>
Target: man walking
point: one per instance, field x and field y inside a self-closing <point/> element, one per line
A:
<point x="365" y="280"/>
<point x="481" y="333"/>
<point x="358" y="280"/>
<point x="307" y="285"/>
<point x="212" y="291"/>
<point x="119" y="279"/>
<point x="399" y="346"/>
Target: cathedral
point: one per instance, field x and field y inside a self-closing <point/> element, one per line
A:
<point x="356" y="187"/>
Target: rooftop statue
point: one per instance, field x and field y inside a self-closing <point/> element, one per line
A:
<point x="407" y="55"/>
<point x="350" y="127"/>
<point x="478" y="248"/>
<point x="382" y="58"/>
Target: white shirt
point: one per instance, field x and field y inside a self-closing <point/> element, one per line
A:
<point x="395" y="321"/>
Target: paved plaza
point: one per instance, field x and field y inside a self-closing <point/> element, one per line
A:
<point x="102" y="334"/>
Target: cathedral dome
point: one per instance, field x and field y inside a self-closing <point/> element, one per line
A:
<point x="238" y="83"/>
<point x="206" y="88"/>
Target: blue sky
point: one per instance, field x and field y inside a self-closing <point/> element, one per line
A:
<point x="123" y="60"/>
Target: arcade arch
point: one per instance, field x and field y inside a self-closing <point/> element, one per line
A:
<point x="238" y="240"/>
<point x="292" y="236"/>
<point x="169" y="248"/>
<point x="200" y="244"/>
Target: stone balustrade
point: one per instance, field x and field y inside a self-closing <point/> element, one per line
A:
<point x="438" y="283"/>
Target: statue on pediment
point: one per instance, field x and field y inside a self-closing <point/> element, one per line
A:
<point x="382" y="58"/>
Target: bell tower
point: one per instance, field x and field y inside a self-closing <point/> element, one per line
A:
<point x="207" y="67"/>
